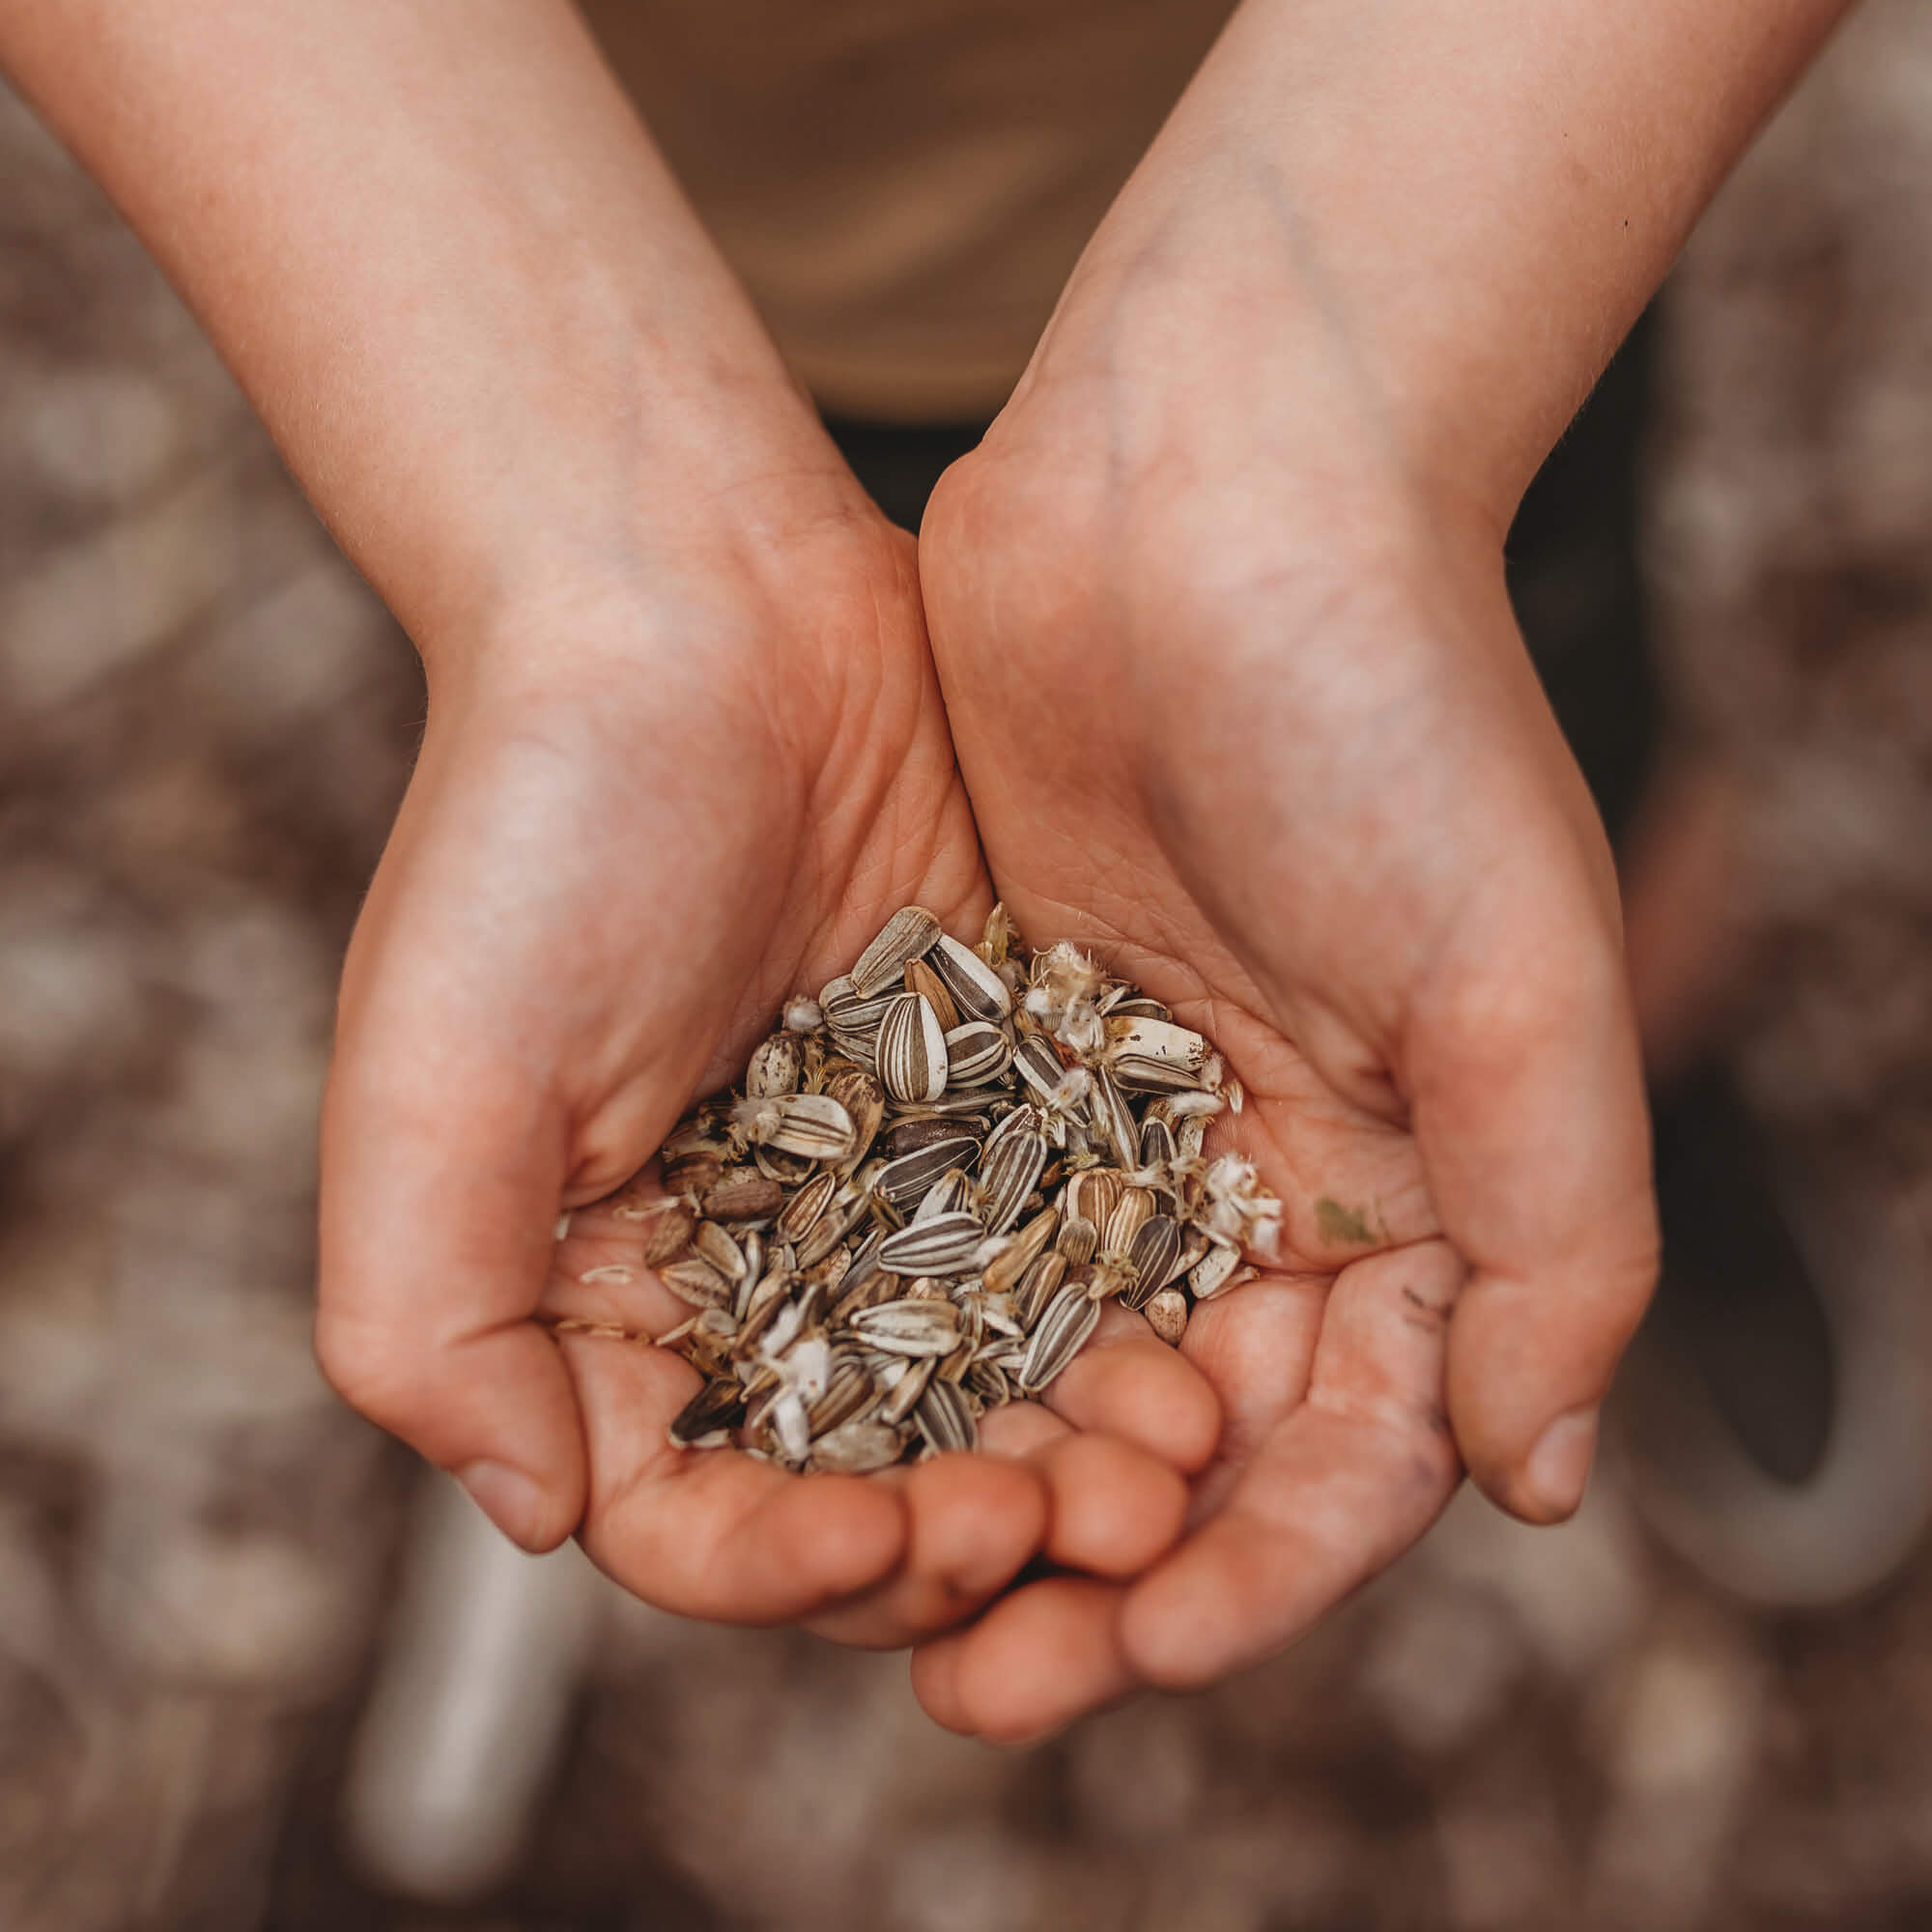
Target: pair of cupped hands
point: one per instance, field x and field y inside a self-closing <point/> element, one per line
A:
<point x="1189" y="665"/>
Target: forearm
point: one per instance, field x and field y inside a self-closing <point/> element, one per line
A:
<point x="1470" y="204"/>
<point x="447" y="266"/>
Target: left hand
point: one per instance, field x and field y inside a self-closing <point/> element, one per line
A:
<point x="1240" y="703"/>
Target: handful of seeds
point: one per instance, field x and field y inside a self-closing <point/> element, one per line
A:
<point x="935" y="1174"/>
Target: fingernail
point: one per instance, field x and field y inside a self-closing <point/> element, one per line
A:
<point x="508" y="1498"/>
<point x="1559" y="1465"/>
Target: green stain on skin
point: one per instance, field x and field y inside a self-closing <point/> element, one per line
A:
<point x="1342" y="1227"/>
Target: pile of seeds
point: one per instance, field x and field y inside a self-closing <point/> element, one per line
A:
<point x="935" y="1174"/>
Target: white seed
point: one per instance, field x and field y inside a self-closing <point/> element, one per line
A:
<point x="976" y="1054"/>
<point x="776" y="1066"/>
<point x="975" y="987"/>
<point x="1167" y="1315"/>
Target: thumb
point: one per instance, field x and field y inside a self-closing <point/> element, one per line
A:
<point x="1528" y="1107"/>
<point x="441" y="1178"/>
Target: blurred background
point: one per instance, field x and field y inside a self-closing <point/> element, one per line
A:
<point x="1705" y="1703"/>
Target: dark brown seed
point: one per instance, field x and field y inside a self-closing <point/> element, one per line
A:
<point x="906" y="1137"/>
<point x="743" y="1194"/>
<point x="711" y="1412"/>
<point x="1157" y="1148"/>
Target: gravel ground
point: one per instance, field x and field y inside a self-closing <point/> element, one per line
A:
<point x="207" y="723"/>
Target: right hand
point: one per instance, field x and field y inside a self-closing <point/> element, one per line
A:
<point x="639" y="823"/>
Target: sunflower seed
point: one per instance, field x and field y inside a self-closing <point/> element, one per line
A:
<point x="911" y="1050"/>
<point x="907" y="1179"/>
<point x="1039" y="1065"/>
<point x="1154" y="1056"/>
<point x="908" y="1136"/>
<point x="1167" y="1315"/>
<point x="932" y="1247"/>
<point x="1094" y="1193"/>
<point x="690" y="1174"/>
<point x="976" y="1054"/>
<point x="1078" y="1241"/>
<point x="920" y="979"/>
<point x="951" y="1194"/>
<point x="1150" y="1260"/>
<point x="859" y="1093"/>
<point x="707" y="1417"/>
<point x="906" y="935"/>
<point x="668" y="1233"/>
<point x="802" y="1213"/>
<point x="1158" y="1147"/>
<point x="1114" y="1118"/>
<point x="776" y="1066"/>
<point x="714" y="1245"/>
<point x="1214" y="1275"/>
<point x="1001" y="1274"/>
<point x="856" y="1448"/>
<point x="848" y="1393"/>
<point x="813" y="1124"/>
<point x="762" y="1306"/>
<point x="975" y="987"/>
<point x="1070" y="1317"/>
<point x="903" y="1397"/>
<point x="697" y="1283"/>
<point x="910" y="1327"/>
<point x="743" y="1194"/>
<point x="945" y="1418"/>
<point x="1130" y="1214"/>
<point x="1009" y="1172"/>
<point x="1037" y="1286"/>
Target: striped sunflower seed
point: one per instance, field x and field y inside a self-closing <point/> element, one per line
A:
<point x="910" y="1327"/>
<point x="803" y="1212"/>
<point x="814" y="1125"/>
<point x="1150" y="1260"/>
<point x="1070" y="1317"/>
<point x="705" y="1421"/>
<point x="1008" y="1174"/>
<point x="1078" y="1240"/>
<point x="907" y="1179"/>
<point x="849" y="1393"/>
<point x="1131" y="1212"/>
<point x="713" y="1245"/>
<point x="906" y="935"/>
<point x="976" y="1054"/>
<point x="667" y="1231"/>
<point x="697" y="1283"/>
<point x="938" y="1246"/>
<point x="1114" y="1118"/>
<point x="951" y="1194"/>
<point x="912" y="1049"/>
<point x="1001" y="1275"/>
<point x="1154" y="1056"/>
<point x="1039" y="1065"/>
<point x="1038" y="1286"/>
<point x="903" y="1396"/>
<point x="945" y="1418"/>
<point x="975" y="988"/>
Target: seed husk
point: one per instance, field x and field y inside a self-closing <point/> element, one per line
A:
<point x="903" y="1397"/>
<point x="907" y="1328"/>
<point x="1214" y="1274"/>
<point x="697" y="1282"/>
<point x="906" y="935"/>
<point x="667" y="1231"/>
